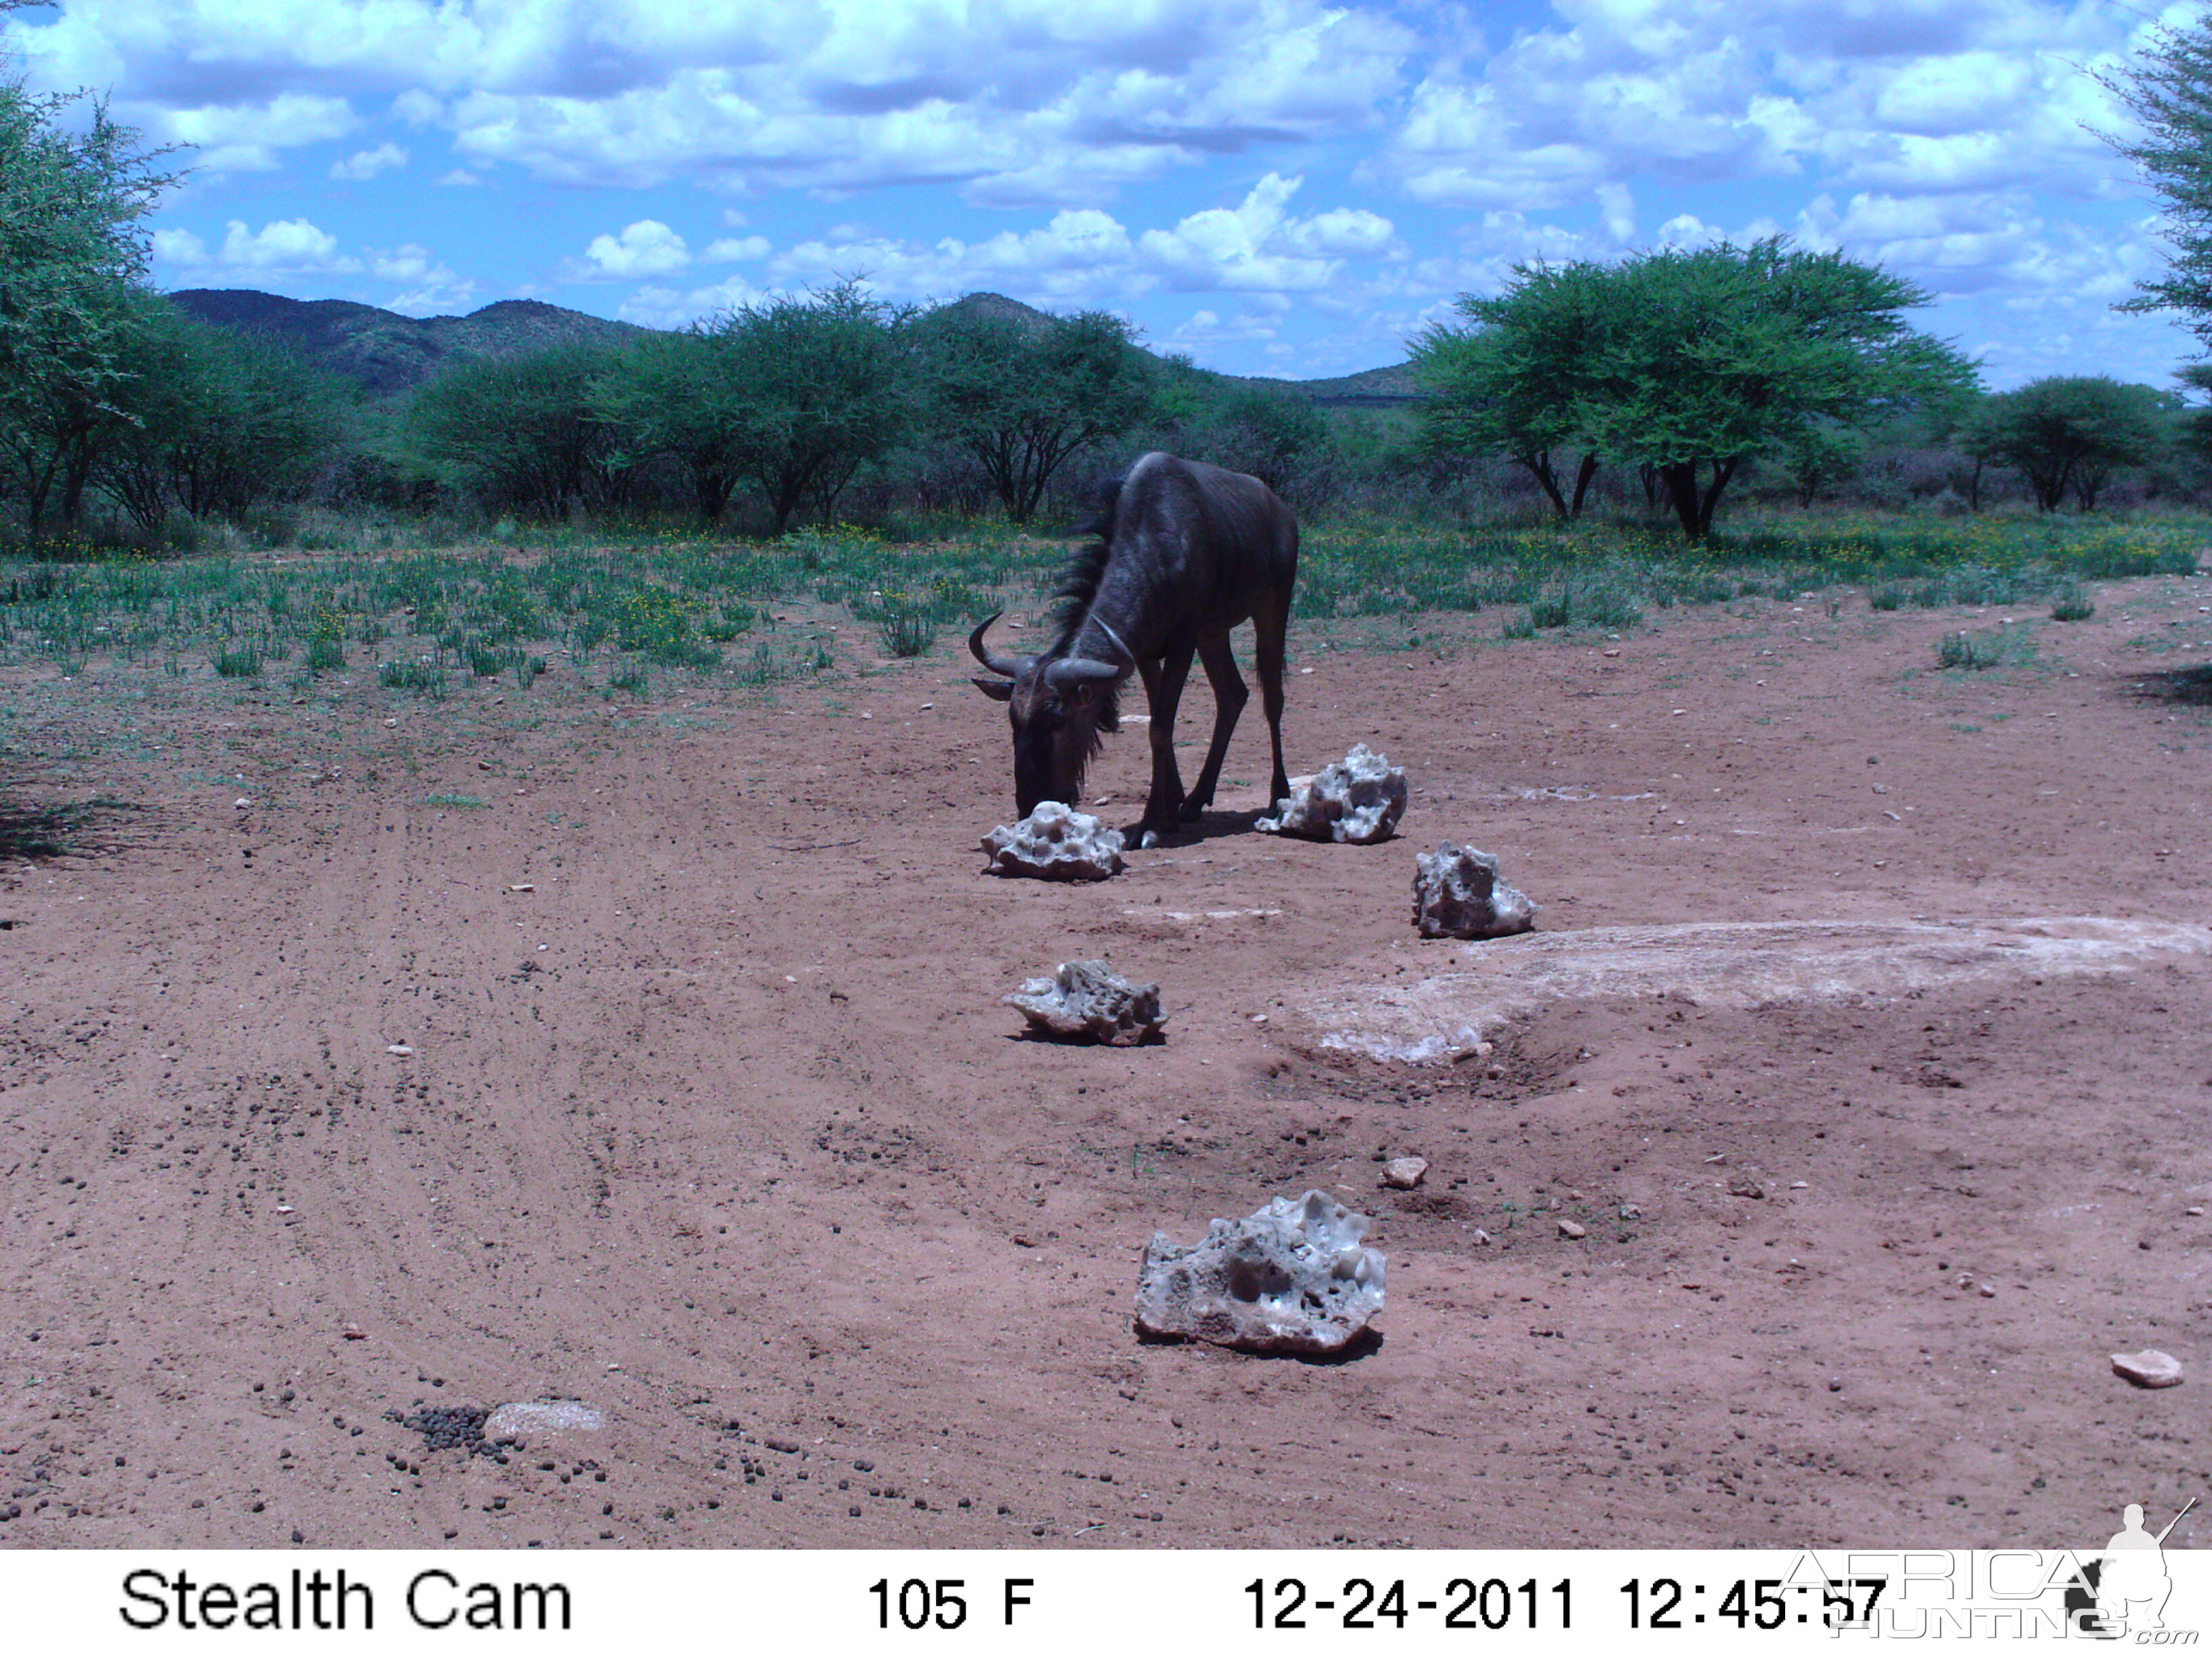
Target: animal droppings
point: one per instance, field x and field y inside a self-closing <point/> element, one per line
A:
<point x="1090" y="999"/>
<point x="1360" y="798"/>
<point x="1055" y="843"/>
<point x="1292" y="1278"/>
<point x="1458" y="894"/>
<point x="2148" y="1370"/>
<point x="448" y="1428"/>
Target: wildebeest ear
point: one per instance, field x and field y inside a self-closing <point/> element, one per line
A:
<point x="996" y="691"/>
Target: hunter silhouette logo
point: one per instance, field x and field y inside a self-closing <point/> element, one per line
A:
<point x="2124" y="1590"/>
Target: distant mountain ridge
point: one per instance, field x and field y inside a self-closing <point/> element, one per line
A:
<point x="1372" y="387"/>
<point x="387" y="353"/>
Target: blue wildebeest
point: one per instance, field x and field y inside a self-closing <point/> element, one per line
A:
<point x="1184" y="552"/>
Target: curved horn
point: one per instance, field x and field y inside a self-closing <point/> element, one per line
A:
<point x="1070" y="671"/>
<point x="1129" y="657"/>
<point x="1010" y="666"/>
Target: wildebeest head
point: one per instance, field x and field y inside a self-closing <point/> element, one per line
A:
<point x="1061" y="707"/>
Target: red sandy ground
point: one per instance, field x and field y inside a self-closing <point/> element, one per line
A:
<point x="723" y="1129"/>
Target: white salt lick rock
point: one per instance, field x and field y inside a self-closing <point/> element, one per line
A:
<point x="1292" y="1278"/>
<point x="1055" y="843"/>
<point x="1358" y="798"/>
<point x="1090" y="999"/>
<point x="1458" y="894"/>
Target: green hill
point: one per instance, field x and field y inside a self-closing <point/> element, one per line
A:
<point x="386" y="354"/>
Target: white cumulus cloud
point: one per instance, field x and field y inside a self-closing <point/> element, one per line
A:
<point x="1259" y="245"/>
<point x="728" y="250"/>
<point x="648" y="248"/>
<point x="244" y="137"/>
<point x="1014" y="100"/>
<point x="1981" y="94"/>
<point x="364" y="165"/>
<point x="282" y="247"/>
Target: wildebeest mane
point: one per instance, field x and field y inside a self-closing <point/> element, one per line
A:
<point x="1078" y="586"/>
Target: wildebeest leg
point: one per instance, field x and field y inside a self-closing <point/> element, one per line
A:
<point x="1163" y="682"/>
<point x="1269" y="625"/>
<point x="1229" y="697"/>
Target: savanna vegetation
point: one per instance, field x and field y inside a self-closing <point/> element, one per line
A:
<point x="1596" y="440"/>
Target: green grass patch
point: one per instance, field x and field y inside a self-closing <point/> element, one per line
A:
<point x="1980" y="651"/>
<point x="422" y="677"/>
<point x="684" y="599"/>
<point x="453" y="800"/>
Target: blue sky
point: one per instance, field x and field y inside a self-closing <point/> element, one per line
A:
<point x="1273" y="187"/>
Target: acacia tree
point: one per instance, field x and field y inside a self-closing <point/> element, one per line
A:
<point x="2068" y="432"/>
<point x="814" y="386"/>
<point x="217" y="423"/>
<point x="1692" y="363"/>
<point x="1506" y="386"/>
<point x="519" y="429"/>
<point x="72" y="271"/>
<point x="2169" y="91"/>
<point x="1023" y="396"/>
<point x="676" y="394"/>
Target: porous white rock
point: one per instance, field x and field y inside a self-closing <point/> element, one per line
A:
<point x="1458" y="894"/>
<point x="1055" y="843"/>
<point x="1090" y="999"/>
<point x="1358" y="798"/>
<point x="1292" y="1278"/>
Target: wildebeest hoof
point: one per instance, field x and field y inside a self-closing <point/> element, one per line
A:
<point x="1147" y="839"/>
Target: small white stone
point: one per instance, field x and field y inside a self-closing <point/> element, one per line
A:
<point x="1405" y="1173"/>
<point x="523" y="887"/>
<point x="241" y="801"/>
<point x="2149" y="1368"/>
<point x="1571" y="1229"/>
<point x="399" y="1048"/>
<point x="539" y="1418"/>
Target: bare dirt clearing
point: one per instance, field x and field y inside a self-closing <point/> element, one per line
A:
<point x="709" y="1115"/>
